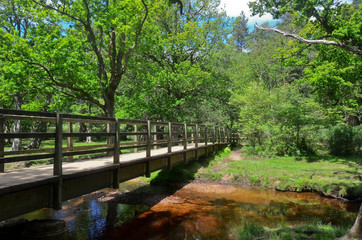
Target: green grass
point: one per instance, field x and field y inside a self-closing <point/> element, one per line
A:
<point x="340" y="177"/>
<point x="317" y="231"/>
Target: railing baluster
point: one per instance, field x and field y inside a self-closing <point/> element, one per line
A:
<point x="136" y="137"/>
<point x="155" y="136"/>
<point x="169" y="140"/>
<point x="205" y="140"/>
<point x="169" y="145"/>
<point x="196" y="142"/>
<point x="219" y="135"/>
<point x="185" y="143"/>
<point x="70" y="140"/>
<point x="185" y="136"/>
<point x="197" y="135"/>
<point x="213" y="138"/>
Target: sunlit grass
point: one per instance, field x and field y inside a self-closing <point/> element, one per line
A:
<point x="332" y="176"/>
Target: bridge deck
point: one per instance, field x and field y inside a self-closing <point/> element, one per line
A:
<point x="23" y="178"/>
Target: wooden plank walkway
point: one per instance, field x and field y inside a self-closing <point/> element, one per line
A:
<point x="13" y="179"/>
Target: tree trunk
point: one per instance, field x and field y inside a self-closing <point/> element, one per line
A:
<point x="17" y="125"/>
<point x="40" y="127"/>
<point x="356" y="231"/>
<point x="82" y="127"/>
<point x="89" y="130"/>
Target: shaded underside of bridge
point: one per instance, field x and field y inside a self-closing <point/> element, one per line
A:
<point x="30" y="189"/>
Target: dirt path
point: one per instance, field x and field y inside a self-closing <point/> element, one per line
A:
<point x="235" y="156"/>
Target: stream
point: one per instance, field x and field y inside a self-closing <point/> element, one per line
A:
<point x="190" y="211"/>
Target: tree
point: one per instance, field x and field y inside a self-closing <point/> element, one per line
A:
<point x="334" y="29"/>
<point x="169" y="72"/>
<point x="327" y="18"/>
<point x="240" y="31"/>
<point x="106" y="34"/>
<point x="15" y="22"/>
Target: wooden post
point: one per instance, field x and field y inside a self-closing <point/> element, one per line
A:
<point x="57" y="168"/>
<point x="205" y="135"/>
<point x="148" y="150"/>
<point x="169" y="145"/>
<point x="219" y="135"/>
<point x="70" y="140"/>
<point x="116" y="143"/>
<point x="135" y="137"/>
<point x="213" y="138"/>
<point x="205" y="140"/>
<point x="2" y="143"/>
<point x="169" y="140"/>
<point x="109" y="142"/>
<point x="196" y="142"/>
<point x="197" y="135"/>
<point x="192" y="135"/>
<point x="155" y="136"/>
<point x="185" y="136"/>
<point x="185" y="143"/>
<point x="223" y="135"/>
<point x="116" y="155"/>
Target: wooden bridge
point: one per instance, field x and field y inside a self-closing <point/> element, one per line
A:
<point x="132" y="148"/>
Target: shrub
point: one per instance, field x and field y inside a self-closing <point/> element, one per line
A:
<point x="345" y="140"/>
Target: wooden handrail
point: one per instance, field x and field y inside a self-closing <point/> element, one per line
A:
<point x="176" y="133"/>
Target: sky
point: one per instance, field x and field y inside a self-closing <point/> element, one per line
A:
<point x="233" y="8"/>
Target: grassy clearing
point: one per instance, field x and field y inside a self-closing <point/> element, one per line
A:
<point x="317" y="231"/>
<point x="338" y="177"/>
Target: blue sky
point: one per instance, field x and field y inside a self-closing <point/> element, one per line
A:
<point x="233" y="8"/>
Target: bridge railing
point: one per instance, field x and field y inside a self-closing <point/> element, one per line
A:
<point x="122" y="135"/>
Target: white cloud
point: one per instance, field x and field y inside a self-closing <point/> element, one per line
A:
<point x="233" y="8"/>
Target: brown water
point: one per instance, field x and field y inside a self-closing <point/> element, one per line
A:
<point x="194" y="211"/>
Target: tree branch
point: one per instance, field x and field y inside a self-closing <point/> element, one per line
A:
<point x="138" y="33"/>
<point x="63" y="12"/>
<point x="83" y="93"/>
<point x="349" y="48"/>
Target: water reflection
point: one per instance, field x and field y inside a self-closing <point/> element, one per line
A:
<point x="193" y="211"/>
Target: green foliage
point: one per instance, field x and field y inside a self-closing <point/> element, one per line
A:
<point x="332" y="72"/>
<point x="345" y="140"/>
<point x="277" y="122"/>
<point x="317" y="230"/>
